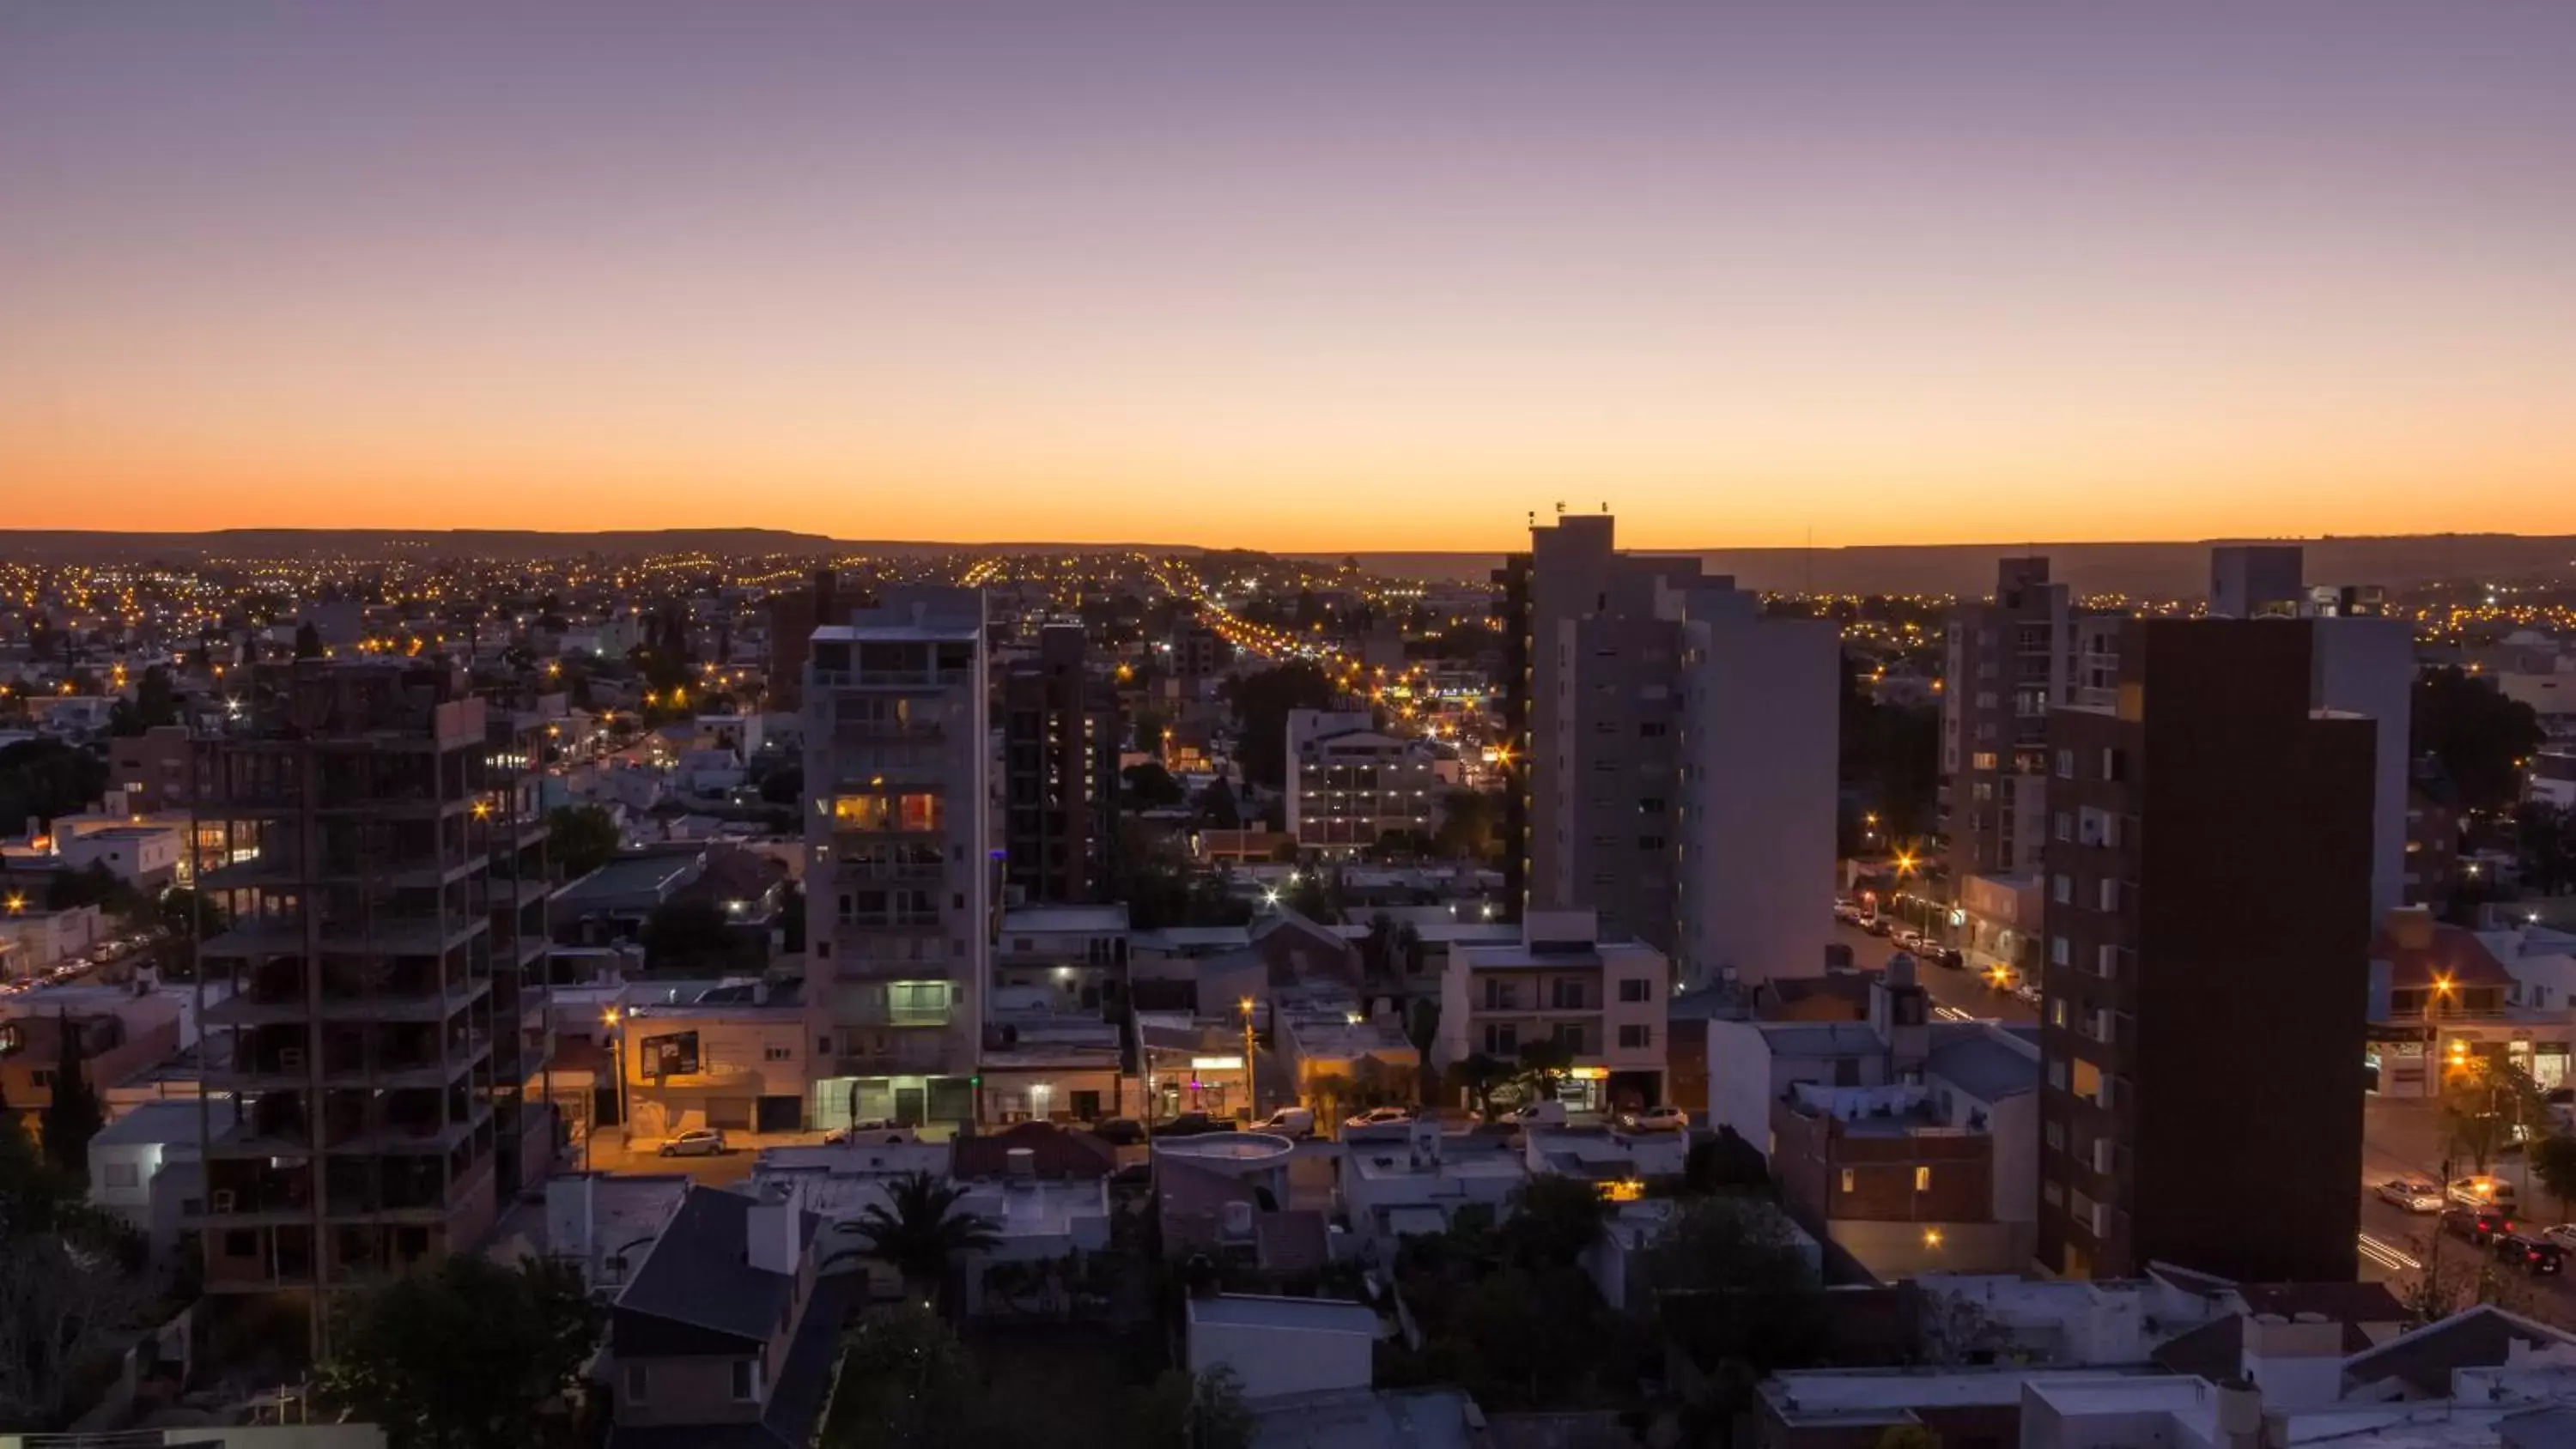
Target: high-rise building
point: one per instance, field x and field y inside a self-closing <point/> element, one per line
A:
<point x="1060" y="743"/>
<point x="793" y="616"/>
<point x="372" y="856"/>
<point x="1350" y="785"/>
<point x="2010" y="660"/>
<point x="1675" y="763"/>
<point x="899" y="871"/>
<point x="2207" y="969"/>
<point x="2364" y="664"/>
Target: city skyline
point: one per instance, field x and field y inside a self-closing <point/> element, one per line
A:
<point x="1310" y="280"/>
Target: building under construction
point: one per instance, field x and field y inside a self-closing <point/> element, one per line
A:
<point x="371" y="975"/>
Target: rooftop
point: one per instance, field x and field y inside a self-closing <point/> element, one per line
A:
<point x="1820" y="1038"/>
<point x="162" y="1122"/>
<point x="1065" y="919"/>
<point x="1303" y="1315"/>
<point x="1839" y="1393"/>
<point x="1983" y="1065"/>
<point x="1369" y="1419"/>
<point x="629" y="875"/>
<point x="698" y="1275"/>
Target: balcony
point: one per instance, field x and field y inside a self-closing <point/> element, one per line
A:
<point x="915" y="1058"/>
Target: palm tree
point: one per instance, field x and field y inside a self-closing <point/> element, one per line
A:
<point x="920" y="1233"/>
<point x="1478" y="1074"/>
<point x="1330" y="1092"/>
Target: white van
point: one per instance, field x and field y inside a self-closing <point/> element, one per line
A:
<point x="1288" y="1122"/>
<point x="1537" y="1114"/>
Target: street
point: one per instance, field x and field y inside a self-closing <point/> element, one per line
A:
<point x="2403" y="1137"/>
<point x="1961" y="991"/>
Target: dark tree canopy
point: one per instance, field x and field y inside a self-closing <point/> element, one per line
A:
<point x="464" y="1356"/>
<point x="1261" y="703"/>
<point x="2480" y="736"/>
<point x="581" y="838"/>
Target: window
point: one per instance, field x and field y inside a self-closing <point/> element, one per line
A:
<point x="1636" y="988"/>
<point x="776" y="1053"/>
<point x="2066" y="764"/>
<point x="1651" y="730"/>
<point x="2061" y="889"/>
<point x="1650" y="805"/>
<point x="1848" y="1182"/>
<point x="1922" y="1179"/>
<point x="2065" y="825"/>
<point x="639" y="1384"/>
<point x="1636" y="1038"/>
<point x="2108" y="892"/>
<point x="1650" y="842"/>
<point x="1502" y="1041"/>
<point x="2058" y="951"/>
<point x="1982" y="760"/>
<point x="1086" y="1106"/>
<point x="746" y="1380"/>
<point x="2115" y="766"/>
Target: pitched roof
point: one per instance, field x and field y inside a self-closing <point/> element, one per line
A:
<point x="2453" y="954"/>
<point x="698" y="1276"/>
<point x="1054" y="1152"/>
<point x="796" y="1397"/>
<point x="1981" y="1066"/>
<point x="2479" y="1337"/>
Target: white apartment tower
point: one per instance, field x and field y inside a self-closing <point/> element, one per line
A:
<point x="898" y="837"/>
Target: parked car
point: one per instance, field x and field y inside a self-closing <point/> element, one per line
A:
<point x="1656" y="1119"/>
<point x="1878" y="925"/>
<point x="2415" y="1194"/>
<point x="2483" y="1192"/>
<point x="696" y="1142"/>
<point x="1907" y="939"/>
<point x="1193" y="1124"/>
<point x="1949" y="956"/>
<point x="874" y="1130"/>
<point x="1847" y="913"/>
<point x="1379" y="1117"/>
<point x="1537" y="1114"/>
<point x="2478" y="1225"/>
<point x="2563" y="1234"/>
<point x="1119" y="1131"/>
<point x="2537" y="1256"/>
<point x="1288" y="1122"/>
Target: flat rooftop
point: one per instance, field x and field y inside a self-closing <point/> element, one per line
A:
<point x="1307" y="1315"/>
<point x="630" y="875"/>
<point x="1065" y="919"/>
<point x="1826" y="1393"/>
<point x="162" y="1122"/>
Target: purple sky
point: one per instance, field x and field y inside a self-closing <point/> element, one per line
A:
<point x="1313" y="274"/>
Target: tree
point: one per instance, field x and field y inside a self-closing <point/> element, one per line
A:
<point x="2480" y="735"/>
<point x="1261" y="703"/>
<point x="2544" y="838"/>
<point x="582" y="837"/>
<point x="1554" y="1218"/>
<point x="1422" y="1029"/>
<point x="1217" y="808"/>
<point x="1735" y="1286"/>
<point x="1151" y="787"/>
<point x="1330" y="1092"/>
<point x="2483" y="1100"/>
<point x="904" y="1382"/>
<point x="1148" y="736"/>
<point x="468" y="1355"/>
<point x="61" y="1310"/>
<point x="1377" y="949"/>
<point x="1310" y="894"/>
<point x="1467" y="825"/>
<point x="181" y="910"/>
<point x="1479" y="1076"/>
<point x="155" y="703"/>
<point x="1724" y="1162"/>
<point x="45" y="778"/>
<point x="919" y="1232"/>
<point x="1890" y="756"/>
<point x="694" y="935"/>
<point x="72" y="1117"/>
<point x="308" y="641"/>
<point x="1544" y="1062"/>
<point x="2553" y="1161"/>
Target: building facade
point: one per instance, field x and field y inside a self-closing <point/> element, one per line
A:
<point x="2206" y="978"/>
<point x="1603" y="1001"/>
<point x="2008" y="663"/>
<point x="899" y="871"/>
<point x="1350" y="786"/>
<point x="1060" y="744"/>
<point x="380" y="877"/>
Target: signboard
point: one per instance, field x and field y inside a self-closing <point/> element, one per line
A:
<point x="674" y="1055"/>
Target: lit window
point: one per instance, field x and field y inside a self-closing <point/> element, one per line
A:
<point x="1847" y="1179"/>
<point x="1922" y="1179"/>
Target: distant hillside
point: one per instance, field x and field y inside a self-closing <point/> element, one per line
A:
<point x="2154" y="570"/>
<point x="2157" y="570"/>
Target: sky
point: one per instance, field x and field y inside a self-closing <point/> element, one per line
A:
<point x="1335" y="274"/>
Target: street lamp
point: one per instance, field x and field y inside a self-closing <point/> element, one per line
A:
<point x="1251" y="1088"/>
<point x="617" y="1057"/>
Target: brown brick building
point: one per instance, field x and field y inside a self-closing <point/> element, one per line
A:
<point x="2207" y="964"/>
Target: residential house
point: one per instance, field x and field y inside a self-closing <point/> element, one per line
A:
<point x="725" y="1336"/>
<point x="1602" y="1001"/>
